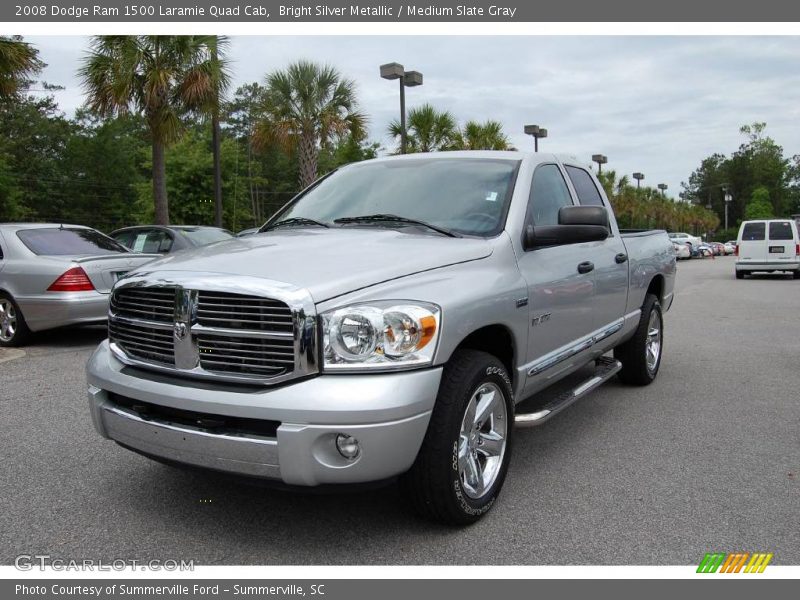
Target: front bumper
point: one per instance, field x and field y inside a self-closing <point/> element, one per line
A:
<point x="56" y="309"/>
<point x="387" y="413"/>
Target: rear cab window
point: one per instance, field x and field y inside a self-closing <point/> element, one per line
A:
<point x="754" y="232"/>
<point x="781" y="230"/>
<point x="65" y="241"/>
<point x="588" y="195"/>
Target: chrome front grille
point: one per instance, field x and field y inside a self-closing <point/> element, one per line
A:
<point x="151" y="304"/>
<point x="246" y="355"/>
<point x="236" y="311"/>
<point x="140" y="341"/>
<point x="199" y="329"/>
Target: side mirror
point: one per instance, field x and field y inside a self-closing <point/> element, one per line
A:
<point x="577" y="224"/>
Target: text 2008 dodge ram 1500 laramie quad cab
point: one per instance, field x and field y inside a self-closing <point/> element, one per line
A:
<point x="385" y="322"/>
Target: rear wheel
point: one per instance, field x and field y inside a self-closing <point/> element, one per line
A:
<point x="13" y="330"/>
<point x="739" y="274"/>
<point x="641" y="355"/>
<point x="796" y="274"/>
<point x="462" y="464"/>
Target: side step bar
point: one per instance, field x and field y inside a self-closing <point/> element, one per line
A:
<point x="607" y="367"/>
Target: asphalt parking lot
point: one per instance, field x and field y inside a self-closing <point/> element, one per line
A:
<point x="707" y="458"/>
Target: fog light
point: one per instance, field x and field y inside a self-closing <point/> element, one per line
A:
<point x="347" y="446"/>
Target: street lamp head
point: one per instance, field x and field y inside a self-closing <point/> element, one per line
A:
<point x="412" y="78"/>
<point x="662" y="186"/>
<point x="542" y="133"/>
<point x="532" y="130"/>
<point x="638" y="176"/>
<point x="600" y="159"/>
<point x="392" y="71"/>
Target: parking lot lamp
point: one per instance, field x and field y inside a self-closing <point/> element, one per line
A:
<point x="663" y="187"/>
<point x="600" y="159"/>
<point x="407" y="79"/>
<point x="537" y="132"/>
<point x="638" y="177"/>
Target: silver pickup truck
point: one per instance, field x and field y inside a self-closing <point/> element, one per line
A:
<point x="385" y="323"/>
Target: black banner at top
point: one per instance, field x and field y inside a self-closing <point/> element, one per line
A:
<point x="509" y="11"/>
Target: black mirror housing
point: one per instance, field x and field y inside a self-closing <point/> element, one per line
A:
<point x="583" y="215"/>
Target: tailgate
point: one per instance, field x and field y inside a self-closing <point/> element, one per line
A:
<point x="103" y="271"/>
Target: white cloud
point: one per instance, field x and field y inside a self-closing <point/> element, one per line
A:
<point x="656" y="104"/>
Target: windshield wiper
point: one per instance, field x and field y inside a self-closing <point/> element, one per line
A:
<point x="384" y="218"/>
<point x="295" y="221"/>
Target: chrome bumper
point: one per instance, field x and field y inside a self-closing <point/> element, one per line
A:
<point x="388" y="414"/>
<point x="768" y="266"/>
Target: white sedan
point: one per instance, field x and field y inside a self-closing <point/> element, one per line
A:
<point x="682" y="251"/>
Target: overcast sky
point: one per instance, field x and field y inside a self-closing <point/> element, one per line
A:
<point x="658" y="105"/>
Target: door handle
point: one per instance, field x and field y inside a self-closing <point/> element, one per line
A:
<point x="620" y="258"/>
<point x="586" y="267"/>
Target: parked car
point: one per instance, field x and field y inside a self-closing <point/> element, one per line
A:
<point x="385" y="324"/>
<point x="719" y="248"/>
<point x="246" y="232"/>
<point x="768" y="245"/>
<point x="160" y="239"/>
<point x="685" y="238"/>
<point x="53" y="275"/>
<point x="705" y="250"/>
<point x="682" y="251"/>
<point x="730" y="247"/>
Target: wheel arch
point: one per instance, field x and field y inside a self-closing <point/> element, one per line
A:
<point x="495" y="339"/>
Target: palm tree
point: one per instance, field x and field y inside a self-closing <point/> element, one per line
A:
<point x="481" y="136"/>
<point x="163" y="78"/>
<point x="18" y="62"/>
<point x="218" y="47"/>
<point x="429" y="130"/>
<point x="306" y="106"/>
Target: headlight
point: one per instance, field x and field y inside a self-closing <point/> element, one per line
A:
<point x="380" y="335"/>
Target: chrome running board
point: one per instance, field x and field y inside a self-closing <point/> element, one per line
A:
<point x="606" y="368"/>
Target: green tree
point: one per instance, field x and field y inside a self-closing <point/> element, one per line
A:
<point x="759" y="206"/>
<point x="306" y="106"/>
<point x="19" y="61"/>
<point x="488" y="135"/>
<point x="162" y="78"/>
<point x="428" y="129"/>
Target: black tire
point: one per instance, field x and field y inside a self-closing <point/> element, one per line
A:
<point x="796" y="274"/>
<point x="21" y="333"/>
<point x="434" y="485"/>
<point x="633" y="354"/>
<point x="739" y="274"/>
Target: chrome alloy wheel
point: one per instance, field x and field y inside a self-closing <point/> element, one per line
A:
<point x="482" y="441"/>
<point x="653" y="344"/>
<point x="8" y="320"/>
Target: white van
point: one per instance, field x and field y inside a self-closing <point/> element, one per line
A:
<point x="768" y="245"/>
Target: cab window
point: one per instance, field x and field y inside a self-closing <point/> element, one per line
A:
<point x="584" y="187"/>
<point x="549" y="193"/>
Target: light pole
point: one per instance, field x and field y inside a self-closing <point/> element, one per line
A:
<point x="638" y="177"/>
<point x="663" y="187"/>
<point x="600" y="159"/>
<point x="728" y="200"/>
<point x="537" y="132"/>
<point x="407" y="79"/>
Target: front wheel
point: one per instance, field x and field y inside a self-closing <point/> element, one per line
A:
<point x="739" y="274"/>
<point x="462" y="464"/>
<point x="641" y="355"/>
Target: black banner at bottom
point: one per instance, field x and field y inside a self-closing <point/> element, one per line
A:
<point x="378" y="589"/>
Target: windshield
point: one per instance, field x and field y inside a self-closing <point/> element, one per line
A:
<point x="469" y="196"/>
<point x="201" y="237"/>
<point x="68" y="242"/>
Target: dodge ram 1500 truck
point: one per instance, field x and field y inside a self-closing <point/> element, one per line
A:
<point x="384" y="323"/>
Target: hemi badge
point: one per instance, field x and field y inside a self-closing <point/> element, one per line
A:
<point x="522" y="302"/>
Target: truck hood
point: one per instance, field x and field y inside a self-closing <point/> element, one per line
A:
<point x="326" y="262"/>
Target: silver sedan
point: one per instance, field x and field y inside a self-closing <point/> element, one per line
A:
<point x="53" y="275"/>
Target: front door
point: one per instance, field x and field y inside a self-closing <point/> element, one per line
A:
<point x="559" y="295"/>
